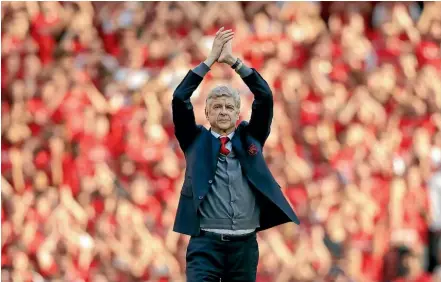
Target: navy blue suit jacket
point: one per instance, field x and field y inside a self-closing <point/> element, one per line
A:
<point x="201" y="151"/>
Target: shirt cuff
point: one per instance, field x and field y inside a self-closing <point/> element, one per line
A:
<point x="202" y="69"/>
<point x="244" y="71"/>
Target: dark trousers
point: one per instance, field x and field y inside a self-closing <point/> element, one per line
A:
<point x="210" y="258"/>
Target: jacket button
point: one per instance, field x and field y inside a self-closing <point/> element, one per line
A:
<point x="210" y="181"/>
<point x="201" y="197"/>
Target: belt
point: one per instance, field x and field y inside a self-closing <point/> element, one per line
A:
<point x="227" y="237"/>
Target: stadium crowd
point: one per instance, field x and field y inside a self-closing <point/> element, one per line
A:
<point x="91" y="170"/>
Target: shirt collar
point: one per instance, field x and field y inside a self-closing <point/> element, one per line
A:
<point x="217" y="135"/>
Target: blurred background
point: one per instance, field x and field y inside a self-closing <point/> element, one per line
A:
<point x="91" y="170"/>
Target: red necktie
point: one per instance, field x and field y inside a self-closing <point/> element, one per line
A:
<point x="224" y="140"/>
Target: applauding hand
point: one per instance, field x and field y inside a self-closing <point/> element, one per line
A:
<point x="221" y="38"/>
<point x="226" y="55"/>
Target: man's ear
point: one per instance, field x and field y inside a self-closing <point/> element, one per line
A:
<point x="206" y="112"/>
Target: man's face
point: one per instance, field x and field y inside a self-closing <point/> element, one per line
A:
<point x="222" y="114"/>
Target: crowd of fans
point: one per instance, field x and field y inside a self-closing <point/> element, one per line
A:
<point x="91" y="170"/>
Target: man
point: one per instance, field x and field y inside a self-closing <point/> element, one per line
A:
<point x="228" y="193"/>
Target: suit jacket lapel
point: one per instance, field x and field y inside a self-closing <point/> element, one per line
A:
<point x="236" y="144"/>
<point x="215" y="147"/>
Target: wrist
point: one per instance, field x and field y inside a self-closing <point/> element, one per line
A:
<point x="231" y="60"/>
<point x="209" y="61"/>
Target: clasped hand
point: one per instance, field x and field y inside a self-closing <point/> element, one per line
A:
<point x="222" y="48"/>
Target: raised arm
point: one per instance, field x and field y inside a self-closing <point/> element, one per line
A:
<point x="183" y="116"/>
<point x="262" y="109"/>
<point x="182" y="109"/>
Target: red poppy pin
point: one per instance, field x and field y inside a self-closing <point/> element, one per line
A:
<point x="252" y="150"/>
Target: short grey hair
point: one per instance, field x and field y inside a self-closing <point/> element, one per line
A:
<point x="224" y="91"/>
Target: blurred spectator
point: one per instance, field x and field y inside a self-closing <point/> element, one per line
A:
<point x="91" y="170"/>
<point x="412" y="269"/>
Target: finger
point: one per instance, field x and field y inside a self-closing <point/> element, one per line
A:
<point x="229" y="41"/>
<point x="226" y="42"/>
<point x="226" y="31"/>
<point x="219" y="31"/>
<point x="227" y="34"/>
<point x="228" y="38"/>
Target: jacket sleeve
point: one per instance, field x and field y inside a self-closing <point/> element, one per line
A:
<point x="183" y="116"/>
<point x="262" y="109"/>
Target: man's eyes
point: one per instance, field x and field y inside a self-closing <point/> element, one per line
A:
<point x="220" y="106"/>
